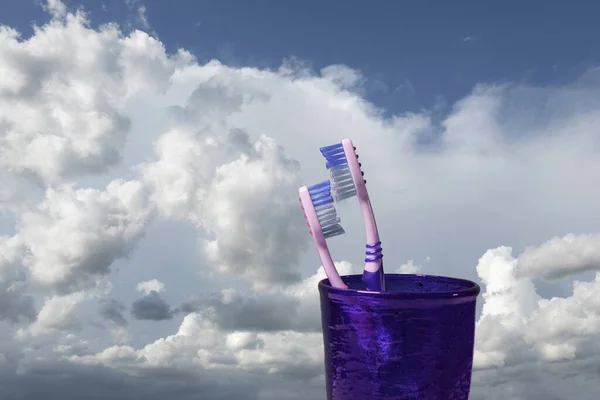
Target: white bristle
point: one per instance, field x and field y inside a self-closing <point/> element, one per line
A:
<point x="329" y="221"/>
<point x="342" y="184"/>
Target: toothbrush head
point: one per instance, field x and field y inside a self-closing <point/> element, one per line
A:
<point x="344" y="169"/>
<point x="319" y="210"/>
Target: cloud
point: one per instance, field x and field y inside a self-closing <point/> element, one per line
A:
<point x="276" y="332"/>
<point x="153" y="285"/>
<point x="75" y="235"/>
<point x="277" y="309"/>
<point x="65" y="380"/>
<point x="56" y="316"/>
<point x="241" y="191"/>
<point x="520" y="332"/>
<point x="54" y="128"/>
<point x="56" y="8"/>
<point x="16" y="307"/>
<point x="342" y="76"/>
<point x="507" y="303"/>
<point x="113" y="310"/>
<point x="409" y="268"/>
<point x="253" y="312"/>
<point x="200" y="344"/>
<point x="15" y="304"/>
<point x="143" y="17"/>
<point x="152" y="307"/>
<point x="561" y="256"/>
<point x="224" y="149"/>
<point x="251" y="333"/>
<point x="254" y="237"/>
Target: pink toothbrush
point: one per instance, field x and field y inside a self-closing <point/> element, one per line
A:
<point x="348" y="181"/>
<point x="324" y="223"/>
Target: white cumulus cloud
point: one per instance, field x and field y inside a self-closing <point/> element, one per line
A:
<point x="75" y="235"/>
<point x="561" y="256"/>
<point x="105" y="132"/>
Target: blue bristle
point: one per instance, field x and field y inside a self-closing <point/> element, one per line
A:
<point x="320" y="194"/>
<point x="341" y="177"/>
<point x="333" y="147"/>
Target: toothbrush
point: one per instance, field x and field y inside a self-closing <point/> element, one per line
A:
<point x="348" y="181"/>
<point x="324" y="223"/>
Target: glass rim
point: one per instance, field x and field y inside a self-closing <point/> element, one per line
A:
<point x="468" y="288"/>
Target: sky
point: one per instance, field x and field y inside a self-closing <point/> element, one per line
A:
<point x="151" y="241"/>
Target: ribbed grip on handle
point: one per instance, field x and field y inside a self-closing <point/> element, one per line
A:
<point x="374" y="280"/>
<point x="374" y="252"/>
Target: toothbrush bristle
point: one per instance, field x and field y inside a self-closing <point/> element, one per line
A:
<point x="341" y="177"/>
<point x="320" y="195"/>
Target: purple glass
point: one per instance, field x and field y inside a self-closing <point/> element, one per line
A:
<point x="414" y="341"/>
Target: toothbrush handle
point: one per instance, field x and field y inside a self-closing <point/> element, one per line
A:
<point x="334" y="277"/>
<point x="373" y="276"/>
<point x="374" y="281"/>
<point x="369" y="218"/>
<point x="361" y="191"/>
